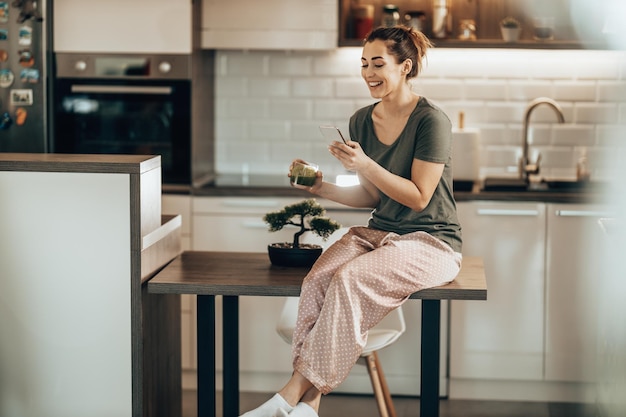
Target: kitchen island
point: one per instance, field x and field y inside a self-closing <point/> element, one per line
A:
<point x="79" y="335"/>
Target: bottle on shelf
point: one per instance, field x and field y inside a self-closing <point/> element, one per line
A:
<point x="391" y="15"/>
<point x="362" y="19"/>
<point x="442" y="19"/>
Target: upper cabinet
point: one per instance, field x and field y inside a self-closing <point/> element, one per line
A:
<point x="269" y="24"/>
<point x="553" y="24"/>
<point x="120" y="26"/>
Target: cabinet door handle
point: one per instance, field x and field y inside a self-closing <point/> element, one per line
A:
<point x="582" y="213"/>
<point x="253" y="224"/>
<point x="246" y="203"/>
<point x="507" y="212"/>
<point x="120" y="89"/>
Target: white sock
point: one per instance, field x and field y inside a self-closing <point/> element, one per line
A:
<point x="270" y="408"/>
<point x="281" y="413"/>
<point x="303" y="410"/>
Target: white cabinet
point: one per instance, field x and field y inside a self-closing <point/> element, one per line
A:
<point x="503" y="337"/>
<point x="120" y="26"/>
<point x="574" y="269"/>
<point x="269" y="24"/>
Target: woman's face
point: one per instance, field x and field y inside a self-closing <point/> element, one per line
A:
<point x="379" y="69"/>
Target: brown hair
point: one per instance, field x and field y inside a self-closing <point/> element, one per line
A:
<point x="404" y="43"/>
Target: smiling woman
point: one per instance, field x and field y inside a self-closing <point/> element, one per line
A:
<point x="400" y="151"/>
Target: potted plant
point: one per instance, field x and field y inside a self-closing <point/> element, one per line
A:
<point x="510" y="29"/>
<point x="308" y="216"/>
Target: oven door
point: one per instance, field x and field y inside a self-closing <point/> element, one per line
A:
<point x="144" y="117"/>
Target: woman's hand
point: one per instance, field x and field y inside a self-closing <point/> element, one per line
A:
<point x="319" y="178"/>
<point x="350" y="155"/>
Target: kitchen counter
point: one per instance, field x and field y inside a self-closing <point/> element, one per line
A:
<point x="278" y="186"/>
<point x="80" y="236"/>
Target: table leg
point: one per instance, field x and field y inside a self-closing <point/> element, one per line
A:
<point x="205" y="327"/>
<point x="429" y="382"/>
<point x="230" y="319"/>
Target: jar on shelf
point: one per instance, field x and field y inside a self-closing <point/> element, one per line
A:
<point x="415" y="20"/>
<point x="362" y="19"/>
<point x="391" y="15"/>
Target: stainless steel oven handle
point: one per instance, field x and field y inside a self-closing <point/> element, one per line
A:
<point x="120" y="89"/>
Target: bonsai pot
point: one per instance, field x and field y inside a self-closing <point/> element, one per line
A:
<point x="510" y="34"/>
<point x="284" y="254"/>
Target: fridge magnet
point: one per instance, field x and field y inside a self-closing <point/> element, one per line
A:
<point x="26" y="58"/>
<point x="25" y="36"/>
<point x="22" y="97"/>
<point x="20" y="116"/>
<point x="5" y="121"/>
<point x="29" y="75"/>
<point x="4" y="11"/>
<point x="4" y="34"/>
<point x="28" y="10"/>
<point x="4" y="55"/>
<point x="6" y="78"/>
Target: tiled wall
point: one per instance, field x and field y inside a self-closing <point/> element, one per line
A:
<point x="269" y="104"/>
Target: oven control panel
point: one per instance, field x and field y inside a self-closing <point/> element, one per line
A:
<point x="123" y="66"/>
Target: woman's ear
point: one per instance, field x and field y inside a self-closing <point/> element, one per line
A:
<point x="407" y="65"/>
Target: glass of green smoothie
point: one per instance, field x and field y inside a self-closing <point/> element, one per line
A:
<point x="303" y="173"/>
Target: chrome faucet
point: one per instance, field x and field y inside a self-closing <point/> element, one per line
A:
<point x="525" y="167"/>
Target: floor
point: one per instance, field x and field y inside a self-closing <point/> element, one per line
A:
<point x="341" y="405"/>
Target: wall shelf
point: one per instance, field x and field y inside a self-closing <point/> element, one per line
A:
<point x="569" y="32"/>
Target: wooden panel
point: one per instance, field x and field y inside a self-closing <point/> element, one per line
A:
<point x="162" y="394"/>
<point x="50" y="162"/>
<point x="161" y="246"/>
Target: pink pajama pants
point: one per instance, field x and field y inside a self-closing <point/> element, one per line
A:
<point x="354" y="284"/>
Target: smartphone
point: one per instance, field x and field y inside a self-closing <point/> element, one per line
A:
<point x="332" y="133"/>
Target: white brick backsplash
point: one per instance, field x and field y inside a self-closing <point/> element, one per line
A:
<point x="244" y="63"/>
<point x="231" y="87"/>
<point x="558" y="158"/>
<point x="229" y="130"/>
<point x="596" y="113"/>
<point x="486" y="90"/>
<point x="291" y="65"/>
<point x="334" y="109"/>
<point x="611" y="135"/>
<point x="502" y="157"/>
<point x="612" y="91"/>
<point x="243" y="108"/>
<point x="441" y="89"/>
<point x="504" y="112"/>
<point x="574" y="91"/>
<point x="528" y="90"/>
<point x="313" y="87"/>
<point x="269" y="87"/>
<point x="291" y="109"/>
<point x="269" y="130"/>
<point x="475" y="112"/>
<point x="351" y="87"/>
<point x="539" y="135"/>
<point x="573" y="135"/>
<point x="269" y="104"/>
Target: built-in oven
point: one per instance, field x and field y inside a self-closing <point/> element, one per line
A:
<point x="121" y="104"/>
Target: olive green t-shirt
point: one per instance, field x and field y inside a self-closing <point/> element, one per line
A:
<point x="427" y="136"/>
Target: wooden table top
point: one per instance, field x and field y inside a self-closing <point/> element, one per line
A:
<point x="251" y="274"/>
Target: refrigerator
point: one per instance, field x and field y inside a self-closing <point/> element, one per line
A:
<point x="24" y="72"/>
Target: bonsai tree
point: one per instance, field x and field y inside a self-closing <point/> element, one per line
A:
<point x="510" y="22"/>
<point x="511" y="29"/>
<point x="307" y="215"/>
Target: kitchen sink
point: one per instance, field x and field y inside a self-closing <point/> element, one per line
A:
<point x="504" y="184"/>
<point x="518" y="185"/>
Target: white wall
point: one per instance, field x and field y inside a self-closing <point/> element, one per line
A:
<point x="269" y="104"/>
